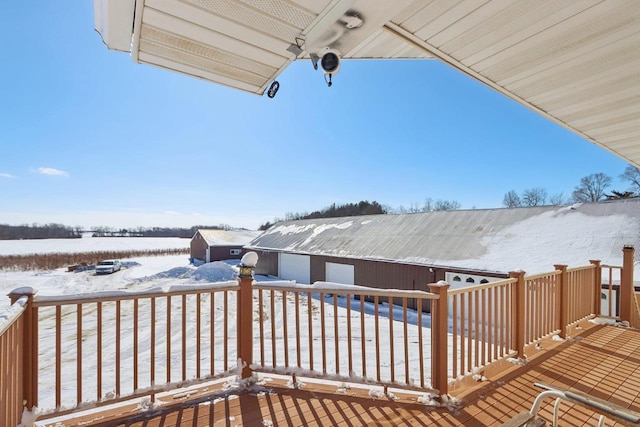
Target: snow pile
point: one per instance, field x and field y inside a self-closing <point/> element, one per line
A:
<point x="212" y="272"/>
<point x="7" y="317"/>
<point x="517" y="360"/>
<point x="215" y="272"/>
<point x="440" y="401"/>
<point x="611" y="322"/>
<point x="479" y="377"/>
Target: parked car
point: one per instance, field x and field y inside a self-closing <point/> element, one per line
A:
<point x="108" y="266"/>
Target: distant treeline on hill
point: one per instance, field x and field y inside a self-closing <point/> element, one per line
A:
<point x="36" y="231"/>
<point x="350" y="209"/>
<point x="186" y="233"/>
<point x="58" y="231"/>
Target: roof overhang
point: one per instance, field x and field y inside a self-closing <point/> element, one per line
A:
<point x="113" y="20"/>
<point x="574" y="62"/>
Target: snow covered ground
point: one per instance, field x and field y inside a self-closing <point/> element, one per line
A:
<point x="61" y="282"/>
<point x="90" y="244"/>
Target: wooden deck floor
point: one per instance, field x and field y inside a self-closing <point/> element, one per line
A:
<point x="603" y="361"/>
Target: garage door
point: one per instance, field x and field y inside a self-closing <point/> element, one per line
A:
<point x="295" y="267"/>
<point x="340" y="273"/>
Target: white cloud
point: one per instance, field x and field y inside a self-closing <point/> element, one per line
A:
<point x="51" y="171"/>
<point x="6" y="175"/>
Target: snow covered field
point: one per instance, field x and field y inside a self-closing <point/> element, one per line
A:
<point x="61" y="282"/>
<point x="90" y="244"/>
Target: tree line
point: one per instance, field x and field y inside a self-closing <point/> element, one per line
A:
<point x="37" y="231"/>
<point x="363" y="207"/>
<point x="592" y="188"/>
<point x="186" y="233"/>
<point x="59" y="231"/>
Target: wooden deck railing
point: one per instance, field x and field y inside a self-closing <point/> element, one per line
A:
<point x="12" y="348"/>
<point x="482" y="325"/>
<point x="610" y="290"/>
<point x="544" y="305"/>
<point x="629" y="307"/>
<point x="497" y="320"/>
<point x="333" y="333"/>
<point x="159" y="339"/>
<point x="106" y="347"/>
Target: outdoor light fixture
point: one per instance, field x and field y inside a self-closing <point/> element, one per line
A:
<point x="248" y="264"/>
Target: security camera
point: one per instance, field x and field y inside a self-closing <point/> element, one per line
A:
<point x="330" y="61"/>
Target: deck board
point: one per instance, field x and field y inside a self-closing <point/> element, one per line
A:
<point x="605" y="363"/>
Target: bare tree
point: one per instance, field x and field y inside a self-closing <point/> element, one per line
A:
<point x="446" y="205"/>
<point x="428" y="205"/>
<point x="557" y="199"/>
<point x="591" y="188"/>
<point x="534" y="196"/>
<point x="511" y="200"/>
<point x="632" y="174"/>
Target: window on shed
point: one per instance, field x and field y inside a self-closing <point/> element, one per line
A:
<point x="470" y="280"/>
<point x="484" y="281"/>
<point x="457" y="279"/>
<point x="234" y="251"/>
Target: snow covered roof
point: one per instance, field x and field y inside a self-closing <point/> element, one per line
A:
<point x="228" y="237"/>
<point x="500" y="240"/>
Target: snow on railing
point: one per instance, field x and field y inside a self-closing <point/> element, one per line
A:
<point x="12" y="348"/>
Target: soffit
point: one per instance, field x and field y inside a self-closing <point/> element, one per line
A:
<point x="576" y="63"/>
<point x="246" y="44"/>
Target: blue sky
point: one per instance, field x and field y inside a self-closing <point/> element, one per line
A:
<point x="90" y="138"/>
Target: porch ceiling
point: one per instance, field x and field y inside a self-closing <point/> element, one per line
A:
<point x="575" y="63"/>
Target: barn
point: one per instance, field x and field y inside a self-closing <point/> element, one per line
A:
<point x="465" y="247"/>
<point x="217" y="245"/>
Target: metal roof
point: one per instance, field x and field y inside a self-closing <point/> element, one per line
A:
<point x="227" y="237"/>
<point x="574" y="62"/>
<point x="490" y="240"/>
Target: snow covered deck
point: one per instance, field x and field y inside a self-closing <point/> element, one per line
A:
<point x="599" y="360"/>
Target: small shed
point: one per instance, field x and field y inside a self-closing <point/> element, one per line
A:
<point x="219" y="245"/>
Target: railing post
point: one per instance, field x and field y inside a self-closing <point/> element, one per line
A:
<point x="627" y="291"/>
<point x="517" y="304"/>
<point x="439" y="335"/>
<point x="597" y="286"/>
<point x="562" y="300"/>
<point x="245" y="313"/>
<point x="29" y="372"/>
